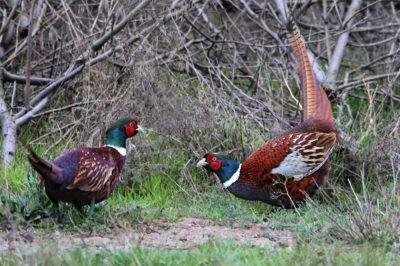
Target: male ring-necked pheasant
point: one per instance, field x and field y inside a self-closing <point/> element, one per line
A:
<point x="86" y="175"/>
<point x="290" y="167"/>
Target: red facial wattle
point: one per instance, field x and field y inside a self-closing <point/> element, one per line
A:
<point x="130" y="130"/>
<point x="213" y="162"/>
<point x="215" y="165"/>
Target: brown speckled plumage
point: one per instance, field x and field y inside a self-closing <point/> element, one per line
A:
<point x="88" y="175"/>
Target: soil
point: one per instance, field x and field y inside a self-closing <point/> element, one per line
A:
<point x="186" y="233"/>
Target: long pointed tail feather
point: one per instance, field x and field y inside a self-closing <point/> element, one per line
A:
<point x="315" y="101"/>
<point x="46" y="169"/>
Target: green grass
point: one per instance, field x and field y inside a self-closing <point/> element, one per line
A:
<point x="214" y="253"/>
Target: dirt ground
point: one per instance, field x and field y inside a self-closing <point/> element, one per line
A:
<point x="186" y="233"/>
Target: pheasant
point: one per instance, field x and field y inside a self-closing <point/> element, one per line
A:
<point x="86" y="175"/>
<point x="289" y="168"/>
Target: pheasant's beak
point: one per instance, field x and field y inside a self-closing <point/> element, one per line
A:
<point x="202" y="162"/>
<point x="140" y="129"/>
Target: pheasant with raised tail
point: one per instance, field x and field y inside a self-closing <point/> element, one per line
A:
<point x="289" y="168"/>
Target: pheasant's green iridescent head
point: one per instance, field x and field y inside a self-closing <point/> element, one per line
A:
<point x="222" y="166"/>
<point x="117" y="134"/>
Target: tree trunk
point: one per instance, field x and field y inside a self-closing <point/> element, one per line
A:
<point x="9" y="133"/>
<point x="8" y="129"/>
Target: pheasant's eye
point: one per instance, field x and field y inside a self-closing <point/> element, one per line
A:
<point x="214" y="159"/>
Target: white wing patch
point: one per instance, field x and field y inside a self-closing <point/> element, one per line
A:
<point x="308" y="153"/>
<point x="292" y="165"/>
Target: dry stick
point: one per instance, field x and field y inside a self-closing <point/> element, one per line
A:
<point x="52" y="111"/>
<point x="206" y="19"/>
<point x="368" y="79"/>
<point x="22" y="45"/>
<point x="60" y="139"/>
<point x="269" y="108"/>
<point x="327" y="36"/>
<point x="283" y="10"/>
<point x="246" y="70"/>
<point x="28" y="115"/>
<point x="52" y="132"/>
<point x="27" y="88"/>
<point x="224" y="80"/>
<point x="217" y="72"/>
<point x="338" y="52"/>
<point x="20" y="79"/>
<point x="172" y="53"/>
<point x="100" y="42"/>
<point x="376" y="60"/>
<point x="8" y="19"/>
<point x="374" y="28"/>
<point x="376" y="43"/>
<point x="264" y="26"/>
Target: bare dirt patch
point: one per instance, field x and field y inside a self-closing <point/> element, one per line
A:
<point x="184" y="234"/>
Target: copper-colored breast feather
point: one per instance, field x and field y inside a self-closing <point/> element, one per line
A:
<point x="257" y="167"/>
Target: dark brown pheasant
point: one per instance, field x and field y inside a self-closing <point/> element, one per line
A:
<point x="86" y="175"/>
<point x="289" y="168"/>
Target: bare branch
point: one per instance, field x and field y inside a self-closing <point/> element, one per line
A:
<point x="7" y="21"/>
<point x="366" y="80"/>
<point x="10" y="77"/>
<point x="338" y="53"/>
<point x="100" y="42"/>
<point x="27" y="89"/>
<point x="27" y="116"/>
<point x="283" y="10"/>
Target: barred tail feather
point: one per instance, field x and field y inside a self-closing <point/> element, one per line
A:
<point x="315" y="101"/>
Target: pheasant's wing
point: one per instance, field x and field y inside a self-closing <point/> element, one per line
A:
<point x="306" y="153"/>
<point x="95" y="171"/>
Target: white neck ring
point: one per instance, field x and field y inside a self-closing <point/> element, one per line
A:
<point x="121" y="150"/>
<point x="233" y="178"/>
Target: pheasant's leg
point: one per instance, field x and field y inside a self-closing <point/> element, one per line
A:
<point x="79" y="208"/>
<point x="91" y="207"/>
<point x="56" y="214"/>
